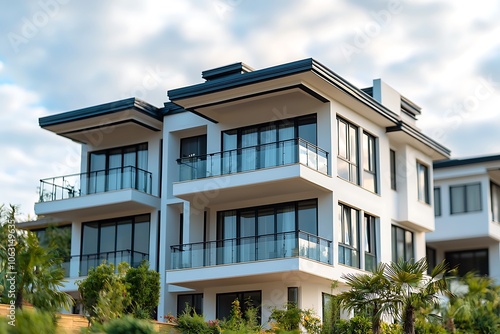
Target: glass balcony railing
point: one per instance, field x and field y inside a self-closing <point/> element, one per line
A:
<point x="87" y="261"/>
<point x="248" y="249"/>
<point x="254" y="157"/>
<point x="348" y="255"/>
<point x="76" y="185"/>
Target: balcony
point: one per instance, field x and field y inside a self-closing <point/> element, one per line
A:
<point x="287" y="166"/>
<point x="79" y="265"/>
<point x="252" y="158"/>
<point x="87" y="194"/>
<point x="250" y="249"/>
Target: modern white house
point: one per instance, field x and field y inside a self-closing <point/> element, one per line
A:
<point x="261" y="185"/>
<point x="467" y="210"/>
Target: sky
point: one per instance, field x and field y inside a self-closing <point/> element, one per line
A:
<point x="62" y="55"/>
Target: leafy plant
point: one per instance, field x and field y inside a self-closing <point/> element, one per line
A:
<point x="143" y="286"/>
<point x="129" y="325"/>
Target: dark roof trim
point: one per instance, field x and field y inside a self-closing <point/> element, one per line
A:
<point x="466" y="161"/>
<point x="102" y="109"/>
<point x="108" y="125"/>
<point x="171" y="108"/>
<point x="224" y="71"/>
<point x="241" y="80"/>
<point x="402" y="126"/>
<point x="280" y="71"/>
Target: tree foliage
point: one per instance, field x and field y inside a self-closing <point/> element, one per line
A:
<point x="144" y="289"/>
<point x="36" y="270"/>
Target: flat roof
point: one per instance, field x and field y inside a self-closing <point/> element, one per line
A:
<point x="466" y="161"/>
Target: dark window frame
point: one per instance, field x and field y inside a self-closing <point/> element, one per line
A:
<point x="192" y="304"/>
<point x="465" y="197"/>
<point x="240" y="295"/>
<point x="405" y="255"/>
<point x="370" y="162"/>
<point x="475" y="260"/>
<point x="423" y="193"/>
<point x="392" y="162"/>
<point x="370" y="227"/>
<point x="352" y="158"/>
<point x="437" y="202"/>
<point x="116" y="223"/>
<point x="341" y="234"/>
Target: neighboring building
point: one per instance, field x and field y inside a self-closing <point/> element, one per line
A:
<point x="262" y="185"/>
<point x="467" y="210"/>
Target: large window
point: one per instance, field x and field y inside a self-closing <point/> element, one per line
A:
<point x="266" y="145"/>
<point x="115" y="240"/>
<point x="402" y="244"/>
<point x="469" y="260"/>
<point x="392" y="162"/>
<point x="423" y="183"/>
<point x="348" y="231"/>
<point x="347" y="162"/>
<point x="193" y="153"/>
<point x="252" y="232"/>
<point x="370" y="243"/>
<point x="495" y="202"/>
<point x="465" y="198"/>
<point x="119" y="168"/>
<point x="369" y="162"/>
<point x="191" y="302"/>
<point x="246" y="299"/>
<point x="437" y="202"/>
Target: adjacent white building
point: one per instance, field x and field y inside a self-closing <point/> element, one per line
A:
<point x="467" y="210"/>
<point x="255" y="184"/>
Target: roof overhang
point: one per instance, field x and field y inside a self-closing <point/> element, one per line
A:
<point x="405" y="133"/>
<point x="308" y="76"/>
<point x="89" y="124"/>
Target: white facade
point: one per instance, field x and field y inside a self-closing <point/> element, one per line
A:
<point x="467" y="220"/>
<point x="240" y="203"/>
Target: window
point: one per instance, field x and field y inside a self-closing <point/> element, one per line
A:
<point x="465" y="198"/>
<point x="193" y="159"/>
<point x="266" y="145"/>
<point x="192" y="302"/>
<point x="348" y="226"/>
<point x="369" y="162"/>
<point x="402" y="244"/>
<point x="115" y="240"/>
<point x="252" y="231"/>
<point x="293" y="296"/>
<point x="330" y="306"/>
<point x="119" y="168"/>
<point x="495" y="202"/>
<point x="437" y="202"/>
<point x="347" y="161"/>
<point x="392" y="161"/>
<point x="469" y="260"/>
<point x="430" y="255"/>
<point x="249" y="298"/>
<point x="370" y="243"/>
<point x="423" y="183"/>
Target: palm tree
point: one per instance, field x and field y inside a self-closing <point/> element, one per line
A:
<point x="412" y="289"/>
<point x="38" y="272"/>
<point x="369" y="292"/>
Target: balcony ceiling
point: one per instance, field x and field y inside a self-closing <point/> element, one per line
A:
<point x="99" y="206"/>
<point x="261" y="183"/>
<point x="289" y="271"/>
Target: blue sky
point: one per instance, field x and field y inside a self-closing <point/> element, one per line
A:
<point x="61" y="55"/>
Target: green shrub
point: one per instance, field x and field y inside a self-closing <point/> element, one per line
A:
<point x="32" y="322"/>
<point x="287" y="319"/>
<point x="391" y="328"/>
<point x="360" y="325"/>
<point x="129" y="325"/>
<point x="188" y="323"/>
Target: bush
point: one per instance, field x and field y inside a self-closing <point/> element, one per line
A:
<point x="391" y="328"/>
<point x="188" y="323"/>
<point x="129" y="325"/>
<point x="143" y="286"/>
<point x="32" y="322"/>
